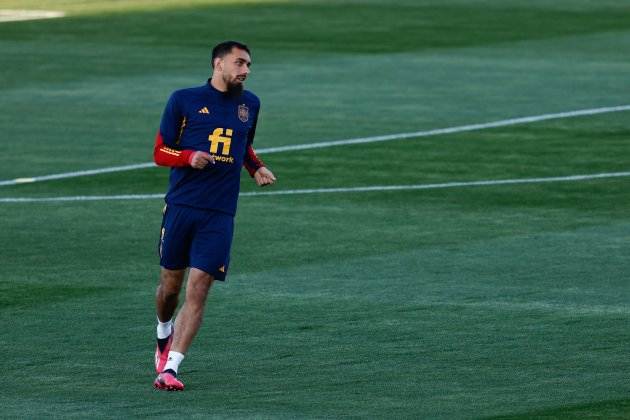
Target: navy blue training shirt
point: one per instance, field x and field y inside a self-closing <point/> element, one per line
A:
<point x="206" y="119"/>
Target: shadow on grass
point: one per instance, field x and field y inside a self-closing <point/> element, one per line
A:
<point x="27" y="296"/>
<point x="611" y="409"/>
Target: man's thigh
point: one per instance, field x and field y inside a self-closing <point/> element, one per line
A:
<point x="210" y="248"/>
<point x="176" y="237"/>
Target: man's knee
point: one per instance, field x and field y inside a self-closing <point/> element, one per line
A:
<point x="199" y="283"/>
<point x="170" y="282"/>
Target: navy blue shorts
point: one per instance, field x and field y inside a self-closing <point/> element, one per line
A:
<point x="196" y="238"/>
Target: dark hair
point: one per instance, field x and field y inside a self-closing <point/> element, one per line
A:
<point x="224" y="48"/>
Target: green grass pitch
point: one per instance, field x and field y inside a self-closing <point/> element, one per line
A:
<point x="504" y="301"/>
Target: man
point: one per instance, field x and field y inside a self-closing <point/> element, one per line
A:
<point x="205" y="136"/>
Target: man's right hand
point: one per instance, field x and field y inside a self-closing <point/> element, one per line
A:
<point x="200" y="160"/>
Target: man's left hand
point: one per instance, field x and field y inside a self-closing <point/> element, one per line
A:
<point x="264" y="176"/>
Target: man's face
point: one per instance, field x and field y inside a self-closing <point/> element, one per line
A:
<point x="234" y="68"/>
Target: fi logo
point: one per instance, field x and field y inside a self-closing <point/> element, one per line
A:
<point x="223" y="137"/>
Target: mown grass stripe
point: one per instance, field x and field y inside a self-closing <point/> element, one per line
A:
<point x="361" y="140"/>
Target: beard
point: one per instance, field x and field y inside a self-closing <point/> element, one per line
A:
<point x="234" y="88"/>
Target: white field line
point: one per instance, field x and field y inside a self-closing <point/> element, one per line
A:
<point x="451" y="130"/>
<point x="390" y="137"/>
<point x="12" y="15"/>
<point x="374" y="188"/>
<point x="77" y="173"/>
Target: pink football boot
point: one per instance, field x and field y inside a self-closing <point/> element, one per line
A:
<point x="168" y="382"/>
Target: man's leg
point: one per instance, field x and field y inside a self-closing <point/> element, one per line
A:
<point x="187" y="324"/>
<point x="190" y="316"/>
<point x="167" y="294"/>
<point x="166" y="298"/>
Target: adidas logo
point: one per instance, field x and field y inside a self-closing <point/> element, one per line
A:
<point x="204" y="110"/>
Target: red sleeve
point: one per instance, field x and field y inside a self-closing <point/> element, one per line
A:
<point x="252" y="162"/>
<point x="168" y="156"/>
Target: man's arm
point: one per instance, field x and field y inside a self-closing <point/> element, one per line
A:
<point x="164" y="155"/>
<point x="254" y="165"/>
<point x="257" y="168"/>
<point x="171" y="157"/>
<point x="252" y="162"/>
<point x="166" y="151"/>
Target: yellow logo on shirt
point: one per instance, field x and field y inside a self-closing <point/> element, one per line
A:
<point x="217" y="137"/>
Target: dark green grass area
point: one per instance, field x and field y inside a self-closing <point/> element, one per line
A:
<point x="375" y="27"/>
<point x="613" y="409"/>
<point x="504" y="301"/>
<point x="427" y="313"/>
<point x="31" y="295"/>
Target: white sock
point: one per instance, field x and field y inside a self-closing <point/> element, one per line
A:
<point x="174" y="359"/>
<point x="164" y="329"/>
